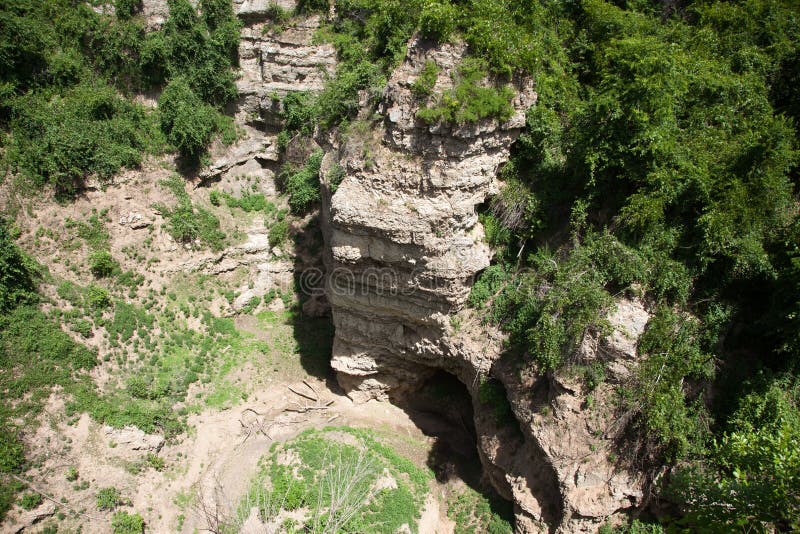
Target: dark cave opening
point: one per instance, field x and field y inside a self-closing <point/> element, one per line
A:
<point x="442" y="408"/>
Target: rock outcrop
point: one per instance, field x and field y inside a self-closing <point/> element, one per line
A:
<point x="403" y="247"/>
<point x="277" y="61"/>
<point x="403" y="233"/>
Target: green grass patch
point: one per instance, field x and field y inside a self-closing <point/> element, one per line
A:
<point x="331" y="477"/>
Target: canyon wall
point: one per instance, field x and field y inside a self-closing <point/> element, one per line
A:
<point x="404" y="245"/>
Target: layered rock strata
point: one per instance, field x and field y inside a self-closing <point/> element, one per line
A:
<point x="403" y="247"/>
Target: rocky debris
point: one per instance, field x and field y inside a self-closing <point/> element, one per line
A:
<point x="134" y="438"/>
<point x="255" y="156"/>
<point x="156" y="13"/>
<point x="134" y="220"/>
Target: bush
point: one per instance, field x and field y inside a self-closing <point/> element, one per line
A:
<point x="752" y="474"/>
<point x="423" y="85"/>
<point x="187" y="223"/>
<point x="155" y="461"/>
<point x="72" y="474"/>
<point x="17" y="272"/>
<point x="248" y="202"/>
<point x="487" y="284"/>
<point x="125" y="9"/>
<point x="469" y="101"/>
<point x="101" y="264"/>
<point x="97" y="298"/>
<point x="109" y="498"/>
<point x="89" y="129"/>
<point x="125" y="523"/>
<point x="438" y="19"/>
<point x="31" y="500"/>
<point x="188" y="123"/>
<point x="216" y="12"/>
<point x="303" y="186"/>
<point x="492" y="393"/>
<point x="278" y="233"/>
<point x="82" y="327"/>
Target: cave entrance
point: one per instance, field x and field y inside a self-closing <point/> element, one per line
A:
<point x="442" y="408"/>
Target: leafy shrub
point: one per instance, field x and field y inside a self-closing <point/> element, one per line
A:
<point x="215" y="198"/>
<point x="201" y="49"/>
<point x="278" y="233"/>
<point x="335" y="177"/>
<point x="423" y="85"/>
<point x="248" y="202"/>
<point x="340" y="98"/>
<point x="109" y="498"/>
<point x="125" y="523"/>
<point x="101" y="264"/>
<point x="487" y="285"/>
<point x="82" y="327"/>
<point x="753" y="472"/>
<point x="251" y="304"/>
<point x="216" y="12"/>
<point x="155" y="461"/>
<point x="97" y="297"/>
<point x="125" y="9"/>
<point x="298" y="113"/>
<point x="311" y="6"/>
<point x="497" y="234"/>
<point x="17" y="272"/>
<point x="72" y="473"/>
<point x="187" y="223"/>
<point x="31" y="500"/>
<point x="438" y="19"/>
<point x="302" y="186"/>
<point x="469" y="101"/>
<point x="672" y="342"/>
<point x="491" y="392"/>
<point x="188" y="123"/>
<point x="87" y="130"/>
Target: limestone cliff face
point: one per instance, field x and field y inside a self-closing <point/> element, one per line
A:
<point x="404" y="245"/>
<point x="404" y="236"/>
